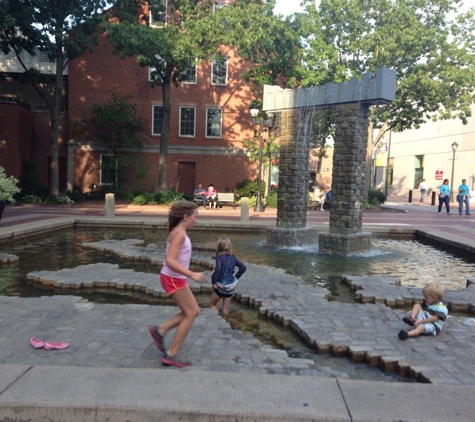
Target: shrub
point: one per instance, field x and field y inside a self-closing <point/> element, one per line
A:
<point x="32" y="199"/>
<point x="249" y="188"/>
<point x="169" y="196"/>
<point x="8" y="187"/>
<point x="375" y="199"/>
<point x="64" y="199"/>
<point x="140" y="200"/>
<point x="272" y="199"/>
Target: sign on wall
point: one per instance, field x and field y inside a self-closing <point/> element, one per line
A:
<point x="439" y="174"/>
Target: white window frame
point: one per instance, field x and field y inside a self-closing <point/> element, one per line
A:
<point x="181" y="122"/>
<point x="213" y="70"/>
<point x="160" y="124"/>
<point x="163" y="21"/>
<point x="207" y="135"/>
<point x="101" y="171"/>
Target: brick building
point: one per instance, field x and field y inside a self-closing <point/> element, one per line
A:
<point x="209" y="121"/>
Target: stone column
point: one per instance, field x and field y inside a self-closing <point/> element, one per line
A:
<point x="294" y="139"/>
<point x="346" y="215"/>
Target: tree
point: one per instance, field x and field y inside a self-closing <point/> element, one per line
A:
<point x="118" y="125"/>
<point x="62" y="29"/>
<point x="191" y="33"/>
<point x="426" y="42"/>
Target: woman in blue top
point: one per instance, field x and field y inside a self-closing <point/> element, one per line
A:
<point x="444" y="196"/>
<point x="463" y="196"/>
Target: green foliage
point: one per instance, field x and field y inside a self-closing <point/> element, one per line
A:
<point x="60" y="199"/>
<point x="249" y="188"/>
<point x="271" y="200"/>
<point x="8" y="187"/>
<point x="64" y="199"/>
<point x="169" y="196"/>
<point x="154" y="198"/>
<point x="427" y="42"/>
<point x="118" y="122"/>
<point x="375" y="199"/>
<point x="140" y="200"/>
<point x="32" y="199"/>
<point x="62" y="29"/>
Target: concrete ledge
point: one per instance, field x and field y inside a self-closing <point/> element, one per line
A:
<point x="138" y="395"/>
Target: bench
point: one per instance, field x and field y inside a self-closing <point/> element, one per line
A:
<point x="227" y="198"/>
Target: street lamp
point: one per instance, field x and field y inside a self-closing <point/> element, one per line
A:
<point x="254" y="110"/>
<point x="454" y="148"/>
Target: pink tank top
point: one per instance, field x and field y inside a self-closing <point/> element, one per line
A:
<point x="183" y="257"/>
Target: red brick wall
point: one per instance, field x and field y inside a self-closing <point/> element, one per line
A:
<point x="25" y="135"/>
<point x="93" y="75"/>
<point x="16" y="130"/>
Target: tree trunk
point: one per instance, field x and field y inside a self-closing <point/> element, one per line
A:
<point x="162" y="161"/>
<point x="55" y="116"/>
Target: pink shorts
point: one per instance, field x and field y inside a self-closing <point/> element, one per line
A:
<point x="172" y="284"/>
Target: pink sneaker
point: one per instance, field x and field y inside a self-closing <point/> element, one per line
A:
<point x="49" y="345"/>
<point x="36" y="343"/>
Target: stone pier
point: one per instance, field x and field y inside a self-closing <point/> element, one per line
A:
<point x="346" y="214"/>
<point x="295" y="140"/>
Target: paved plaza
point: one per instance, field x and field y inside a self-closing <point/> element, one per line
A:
<point x="112" y="370"/>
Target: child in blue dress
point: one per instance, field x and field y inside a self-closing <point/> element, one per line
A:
<point x="223" y="278"/>
<point x="428" y="322"/>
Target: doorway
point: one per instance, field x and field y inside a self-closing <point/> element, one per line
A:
<point x="186" y="177"/>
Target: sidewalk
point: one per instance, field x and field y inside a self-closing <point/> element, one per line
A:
<point x="112" y="371"/>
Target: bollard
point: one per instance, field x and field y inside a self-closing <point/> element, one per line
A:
<point x="432" y="201"/>
<point x="244" y="209"/>
<point x="110" y="205"/>
<point x="410" y="196"/>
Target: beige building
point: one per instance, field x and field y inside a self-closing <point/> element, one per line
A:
<point x="428" y="153"/>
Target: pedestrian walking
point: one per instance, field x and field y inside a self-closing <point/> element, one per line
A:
<point x="444" y="196"/>
<point x="463" y="198"/>
<point x="423" y="187"/>
<point x="181" y="218"/>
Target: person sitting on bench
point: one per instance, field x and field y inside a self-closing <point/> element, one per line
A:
<point x="212" y="196"/>
<point x="200" y="193"/>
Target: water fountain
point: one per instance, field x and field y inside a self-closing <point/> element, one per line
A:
<point x="297" y="108"/>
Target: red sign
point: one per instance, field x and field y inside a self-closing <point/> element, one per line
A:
<point x="439" y="174"/>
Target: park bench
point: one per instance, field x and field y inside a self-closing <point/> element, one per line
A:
<point x="223" y="199"/>
<point x="227" y="198"/>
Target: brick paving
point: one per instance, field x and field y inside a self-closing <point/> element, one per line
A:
<point x="116" y="335"/>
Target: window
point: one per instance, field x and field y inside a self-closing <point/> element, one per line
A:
<point x="153" y="74"/>
<point x="157" y="119"/>
<point x="188" y="75"/>
<point x="187" y="121"/>
<point x="158" y="13"/>
<point x="219" y="72"/>
<point x="213" y="123"/>
<point x="108" y="169"/>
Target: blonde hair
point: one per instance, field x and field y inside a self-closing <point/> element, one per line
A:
<point x="434" y="289"/>
<point x="178" y="210"/>
<point x="223" y="246"/>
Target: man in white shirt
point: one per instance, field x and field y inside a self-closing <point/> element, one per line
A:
<point x="423" y="186"/>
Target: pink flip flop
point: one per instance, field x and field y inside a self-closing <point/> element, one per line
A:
<point x="49" y="345"/>
<point x="36" y="343"/>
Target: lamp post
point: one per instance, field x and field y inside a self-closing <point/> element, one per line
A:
<point x="454" y="148"/>
<point x="254" y="110"/>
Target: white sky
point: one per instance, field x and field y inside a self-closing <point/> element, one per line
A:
<point x="287" y="7"/>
